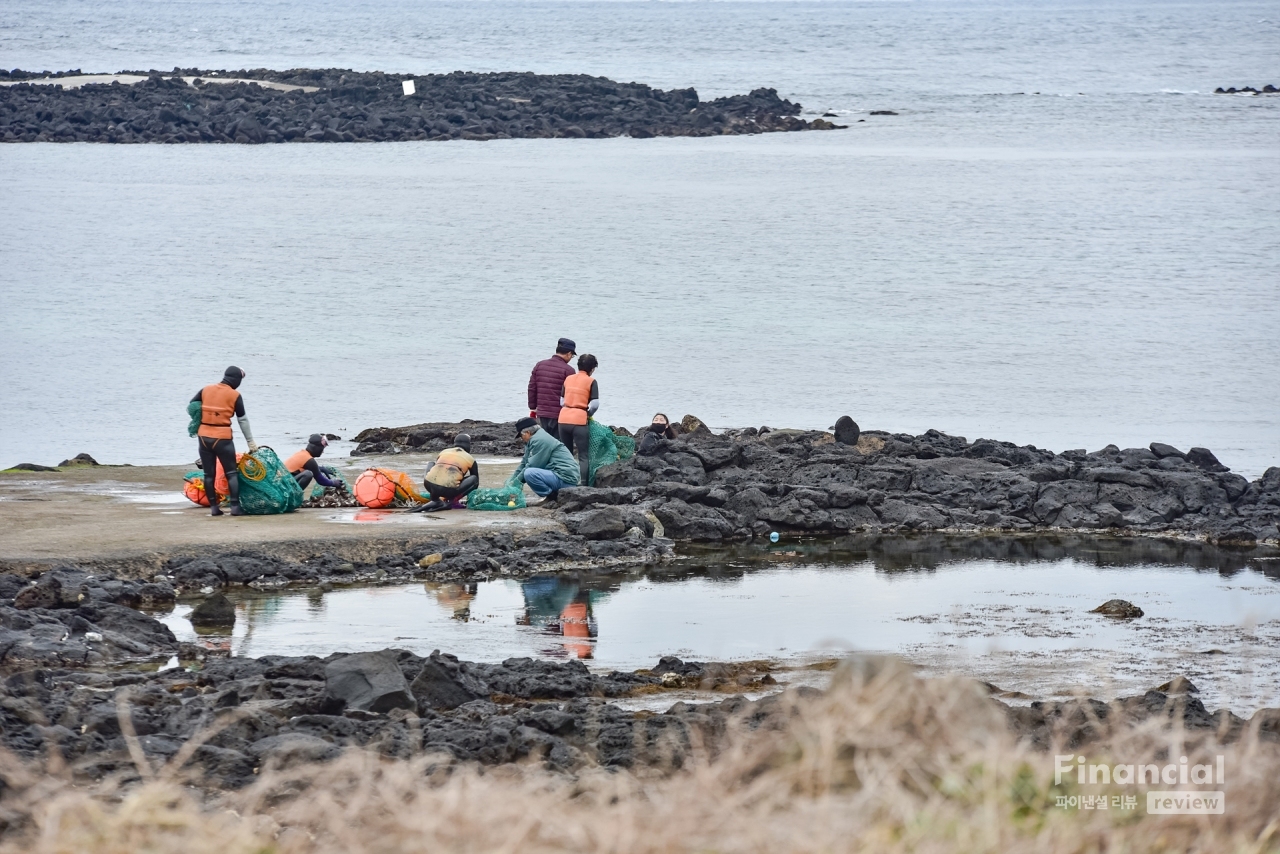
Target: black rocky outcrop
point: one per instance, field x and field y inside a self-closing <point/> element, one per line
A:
<point x="487" y="437"/>
<point x="286" y="709"/>
<point x="70" y="618"/>
<point x="747" y="483"/>
<point x="351" y="106"/>
<point x="253" y="712"/>
<point x="478" y="558"/>
<point x="1269" y="89"/>
<point x="216" y="611"/>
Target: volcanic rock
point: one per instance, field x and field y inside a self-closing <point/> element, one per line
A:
<point x="1118" y="608"/>
<point x="79" y="460"/>
<point x="846" y="430"/>
<point x="368" y="682"/>
<point x="216" y="611"/>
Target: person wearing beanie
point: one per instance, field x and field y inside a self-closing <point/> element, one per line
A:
<point x="218" y="403"/>
<point x="453" y="475"/>
<point x="305" y="469"/>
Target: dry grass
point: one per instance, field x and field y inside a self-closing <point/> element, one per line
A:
<point x="883" y="762"/>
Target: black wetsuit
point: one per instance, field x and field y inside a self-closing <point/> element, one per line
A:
<point x="651" y="435"/>
<point x="214" y="451"/>
<point x="313" y="471"/>
<point x="449" y="493"/>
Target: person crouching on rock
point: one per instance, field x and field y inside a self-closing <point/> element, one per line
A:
<point x="579" y="399"/>
<point x="660" y="428"/>
<point x="218" y="402"/>
<point x="305" y="469"/>
<point x="454" y="474"/>
<point x="547" y="466"/>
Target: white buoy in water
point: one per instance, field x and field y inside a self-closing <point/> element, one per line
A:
<point x="773" y="537"/>
<point x="408" y="87"/>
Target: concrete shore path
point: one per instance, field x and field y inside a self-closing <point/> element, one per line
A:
<point x="129" y="518"/>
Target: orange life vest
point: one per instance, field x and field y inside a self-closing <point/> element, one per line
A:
<point x="577" y="394"/>
<point x="450" y="468"/>
<point x="576" y="626"/>
<point x="298" y="461"/>
<point x="217" y="406"/>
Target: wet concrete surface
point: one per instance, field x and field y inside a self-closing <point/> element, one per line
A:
<point x="126" y="517"/>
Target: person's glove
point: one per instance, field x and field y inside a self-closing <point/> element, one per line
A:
<point x="253" y="447"/>
<point x="533" y="413"/>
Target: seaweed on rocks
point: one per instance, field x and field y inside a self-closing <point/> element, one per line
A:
<point x="340" y="105"/>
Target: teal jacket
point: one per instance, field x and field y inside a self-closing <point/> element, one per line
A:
<point x="545" y="451"/>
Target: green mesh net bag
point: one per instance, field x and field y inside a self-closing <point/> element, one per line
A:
<point x="195" y="411"/>
<point x="317" y="491"/>
<point x="509" y="497"/>
<point x="266" y="487"/>
<point x="607" y="447"/>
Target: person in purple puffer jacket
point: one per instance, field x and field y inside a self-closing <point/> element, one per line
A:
<point x="545" y="384"/>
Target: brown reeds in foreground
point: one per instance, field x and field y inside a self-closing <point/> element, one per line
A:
<point x="884" y="761"/>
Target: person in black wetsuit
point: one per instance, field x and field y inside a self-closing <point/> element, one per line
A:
<point x="660" y="429"/>
<point x="305" y="469"/>
<point x="218" y="403"/>
<point x="453" y="475"/>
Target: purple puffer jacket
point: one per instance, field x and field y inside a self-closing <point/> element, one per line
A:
<point x="545" y="384"/>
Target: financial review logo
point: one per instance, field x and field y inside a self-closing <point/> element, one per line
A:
<point x="1170" y="801"/>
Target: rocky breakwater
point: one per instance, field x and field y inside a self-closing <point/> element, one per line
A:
<point x="487" y="437"/>
<point x="339" y="105"/>
<point x="745" y="484"/>
<point x="72" y="618"/>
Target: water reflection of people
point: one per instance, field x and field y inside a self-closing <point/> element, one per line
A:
<point x="561" y="607"/>
<point x="454" y="596"/>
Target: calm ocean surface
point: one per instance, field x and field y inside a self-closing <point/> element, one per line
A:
<point x="1063" y="239"/>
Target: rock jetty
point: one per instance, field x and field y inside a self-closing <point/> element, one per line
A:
<point x="487" y="437"/>
<point x="742" y="484"/>
<point x="1247" y="90"/>
<point x="337" y="105"/>
<point x="745" y="483"/>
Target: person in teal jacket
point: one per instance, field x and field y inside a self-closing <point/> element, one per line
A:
<point x="547" y="466"/>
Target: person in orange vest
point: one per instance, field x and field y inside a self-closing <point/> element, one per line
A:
<point x="577" y="626"/>
<point x="579" y="399"/>
<point x="454" y="474"/>
<point x="218" y="403"/>
<point x="305" y="469"/>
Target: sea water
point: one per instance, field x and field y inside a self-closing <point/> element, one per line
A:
<point x="1063" y="238"/>
<point x="1024" y="625"/>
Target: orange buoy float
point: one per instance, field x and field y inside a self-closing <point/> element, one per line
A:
<point x="378" y="487"/>
<point x="374" y="489"/>
<point x="194" y="487"/>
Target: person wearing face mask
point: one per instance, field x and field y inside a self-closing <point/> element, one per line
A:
<point x="305" y="469"/>
<point x="660" y="428"/>
<point x="219" y="402"/>
<point x="579" y="400"/>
